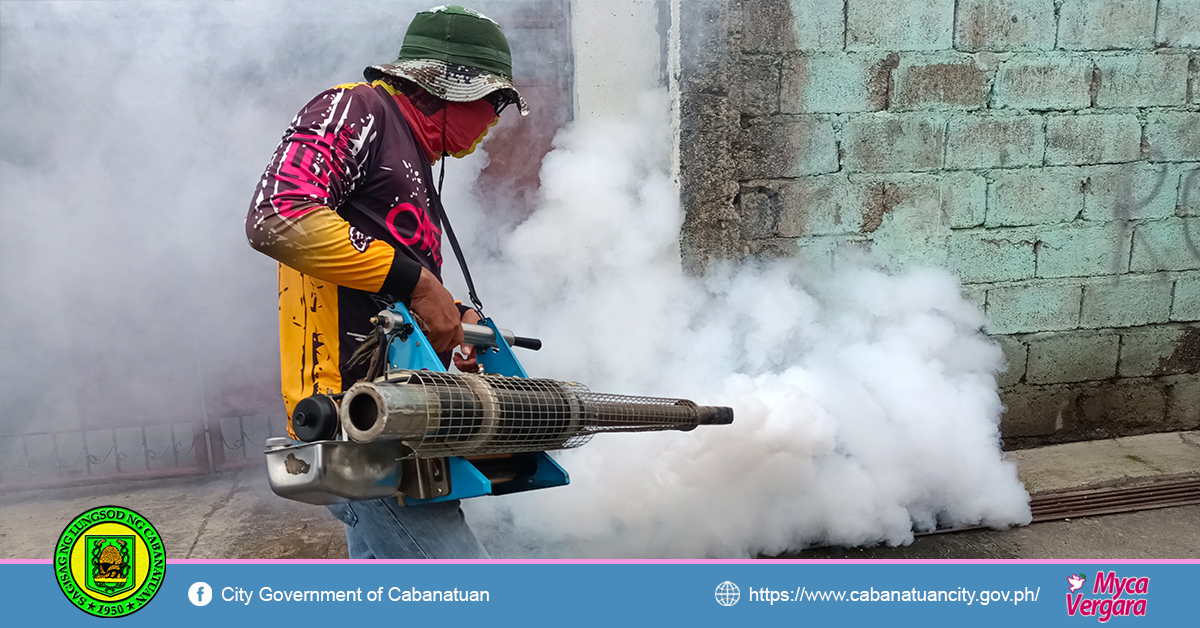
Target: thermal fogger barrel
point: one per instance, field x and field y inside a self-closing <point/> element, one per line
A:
<point x="452" y="414"/>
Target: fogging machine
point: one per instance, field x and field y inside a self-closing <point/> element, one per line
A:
<point x="427" y="435"/>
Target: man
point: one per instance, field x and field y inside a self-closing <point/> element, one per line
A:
<point x="348" y="208"/>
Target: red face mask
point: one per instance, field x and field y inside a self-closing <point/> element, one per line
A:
<point x="465" y="124"/>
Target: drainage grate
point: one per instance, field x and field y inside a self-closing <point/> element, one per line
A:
<point x="1162" y="492"/>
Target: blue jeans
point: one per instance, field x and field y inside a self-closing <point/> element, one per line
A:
<point x="382" y="528"/>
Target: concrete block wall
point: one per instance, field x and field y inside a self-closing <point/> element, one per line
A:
<point x="1047" y="151"/>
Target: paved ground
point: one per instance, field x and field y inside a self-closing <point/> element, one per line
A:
<point x="1106" y="461"/>
<point x="235" y="515"/>
<point x="231" y="515"/>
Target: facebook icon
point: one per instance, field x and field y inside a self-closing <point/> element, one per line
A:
<point x="200" y="594"/>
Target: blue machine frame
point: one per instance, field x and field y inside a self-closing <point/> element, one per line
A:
<point x="412" y="351"/>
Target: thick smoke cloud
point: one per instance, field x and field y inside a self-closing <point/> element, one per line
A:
<point x="131" y="138"/>
<point x="865" y="402"/>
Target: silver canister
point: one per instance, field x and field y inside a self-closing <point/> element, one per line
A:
<point x="333" y="472"/>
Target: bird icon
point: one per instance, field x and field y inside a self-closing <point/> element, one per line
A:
<point x="1076" y="581"/>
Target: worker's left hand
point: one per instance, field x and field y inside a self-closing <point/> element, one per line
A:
<point x="466" y="362"/>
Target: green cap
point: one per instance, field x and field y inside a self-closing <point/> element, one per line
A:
<point x="456" y="54"/>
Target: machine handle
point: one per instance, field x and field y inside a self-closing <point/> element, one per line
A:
<point x="478" y="335"/>
<point x="533" y="344"/>
<point x="482" y="336"/>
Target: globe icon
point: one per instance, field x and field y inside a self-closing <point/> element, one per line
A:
<point x="728" y="593"/>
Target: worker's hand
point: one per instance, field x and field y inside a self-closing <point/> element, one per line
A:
<point x="435" y="307"/>
<point x="466" y="361"/>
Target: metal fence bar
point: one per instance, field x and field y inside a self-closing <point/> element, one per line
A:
<point x="145" y="448"/>
<point x="242" y="438"/>
<point x="200" y="445"/>
<point x="57" y="459"/>
<point x="116" y="451"/>
<point x="25" y="452"/>
<point x="87" y="455"/>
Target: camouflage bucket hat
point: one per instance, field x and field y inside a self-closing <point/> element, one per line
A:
<point x="456" y="54"/>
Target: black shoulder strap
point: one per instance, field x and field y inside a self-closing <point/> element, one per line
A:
<point x="462" y="263"/>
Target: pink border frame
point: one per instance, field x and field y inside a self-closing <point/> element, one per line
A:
<point x="643" y="561"/>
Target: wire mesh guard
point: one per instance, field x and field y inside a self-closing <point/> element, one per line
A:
<point x="440" y="414"/>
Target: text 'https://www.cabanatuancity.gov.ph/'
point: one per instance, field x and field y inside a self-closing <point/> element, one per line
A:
<point x="960" y="595"/>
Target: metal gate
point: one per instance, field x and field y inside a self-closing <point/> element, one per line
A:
<point x="162" y="450"/>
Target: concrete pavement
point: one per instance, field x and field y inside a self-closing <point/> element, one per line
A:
<point x="229" y="515"/>
<point x="1101" y="462"/>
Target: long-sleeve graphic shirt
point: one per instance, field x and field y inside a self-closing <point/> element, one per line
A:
<point x="347" y="208"/>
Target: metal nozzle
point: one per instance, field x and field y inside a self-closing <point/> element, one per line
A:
<point x="715" y="415"/>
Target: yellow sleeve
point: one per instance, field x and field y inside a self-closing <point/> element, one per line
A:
<point x="322" y="244"/>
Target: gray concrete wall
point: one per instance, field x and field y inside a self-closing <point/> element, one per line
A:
<point x="611" y="72"/>
<point x="1047" y="151"/>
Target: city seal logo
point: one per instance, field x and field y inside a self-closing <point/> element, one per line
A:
<point x="110" y="561"/>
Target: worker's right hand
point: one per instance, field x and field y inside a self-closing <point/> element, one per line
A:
<point x="434" y="305"/>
